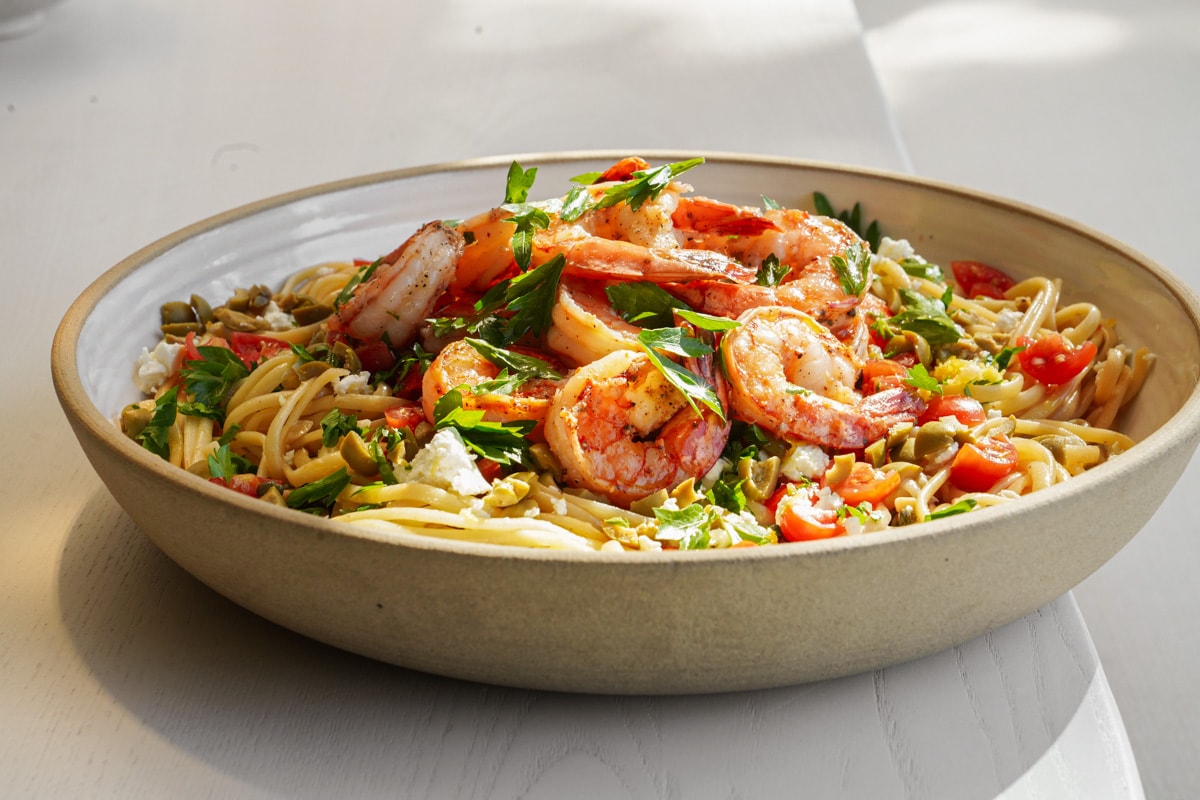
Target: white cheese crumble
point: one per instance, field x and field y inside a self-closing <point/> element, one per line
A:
<point x="896" y="249"/>
<point x="155" y="366"/>
<point x="1008" y="319"/>
<point x="804" y="461"/>
<point x="277" y="318"/>
<point x="446" y="463"/>
<point x="354" y="383"/>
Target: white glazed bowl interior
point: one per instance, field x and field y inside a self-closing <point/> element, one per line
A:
<point x="633" y="623"/>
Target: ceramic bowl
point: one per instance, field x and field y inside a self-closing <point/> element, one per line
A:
<point x="633" y="623"/>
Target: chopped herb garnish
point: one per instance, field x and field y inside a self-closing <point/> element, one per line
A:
<point x="528" y="219"/>
<point x="692" y="386"/>
<point x="927" y="317"/>
<point x="155" y="437"/>
<point x="335" y="425"/>
<point x="363" y="274"/>
<point x="523" y="366"/>
<point x="707" y="322"/>
<point x="502" y="442"/>
<point x="727" y="493"/>
<point x="923" y="269"/>
<point x="318" y="497"/>
<point x="771" y="272"/>
<point x="853" y="269"/>
<point x="532" y="295"/>
<point x="690" y="527"/>
<point x="518" y="184"/>
<point x="209" y="381"/>
<point x="960" y="507"/>
<point x="644" y="303"/>
<point x="1005" y="357"/>
<point x="918" y="377"/>
<point x="645" y="185"/>
<point x="224" y="463"/>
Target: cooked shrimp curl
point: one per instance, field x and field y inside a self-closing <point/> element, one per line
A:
<point x="619" y="429"/>
<point x="792" y="377"/>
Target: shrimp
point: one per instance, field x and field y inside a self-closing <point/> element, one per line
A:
<point x="799" y="240"/>
<point x="619" y="429"/>
<point x="403" y="289"/>
<point x="790" y="376"/>
<point x="460" y="364"/>
<point x="584" y="326"/>
<point x="617" y="242"/>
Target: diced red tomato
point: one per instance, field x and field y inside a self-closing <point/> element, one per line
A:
<point x="404" y="416"/>
<point x="1052" y="359"/>
<point x="865" y="484"/>
<point x="977" y="466"/>
<point x="799" y="520"/>
<point x="375" y="357"/>
<point x="883" y="373"/>
<point x="976" y="279"/>
<point x="247" y="484"/>
<point x="252" y="347"/>
<point x="966" y="410"/>
<point x="489" y="469"/>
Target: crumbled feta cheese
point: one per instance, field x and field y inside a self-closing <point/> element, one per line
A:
<point x="446" y="463"/>
<point x="155" y="366"/>
<point x="277" y="318"/>
<point x="804" y="461"/>
<point x="895" y="249"/>
<point x="355" y="383"/>
<point x="1008" y="319"/>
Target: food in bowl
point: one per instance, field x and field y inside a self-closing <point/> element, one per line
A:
<point x="630" y="366"/>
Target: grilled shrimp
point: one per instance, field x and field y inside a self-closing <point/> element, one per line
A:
<point x="459" y="364"/>
<point x="790" y="376"/>
<point x="619" y="429"/>
<point x="404" y="288"/>
<point x="584" y="326"/>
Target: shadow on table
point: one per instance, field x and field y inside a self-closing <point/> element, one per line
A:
<point x="274" y="710"/>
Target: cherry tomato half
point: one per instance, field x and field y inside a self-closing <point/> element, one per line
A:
<point x="800" y="520"/>
<point x="967" y="410"/>
<point x="976" y="279"/>
<point x="977" y="466"/>
<point x="865" y="484"/>
<point x="883" y="373"/>
<point x="403" y="416"/>
<point x="1052" y="360"/>
<point x="252" y="347"/>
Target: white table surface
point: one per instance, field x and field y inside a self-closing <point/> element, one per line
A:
<point x="122" y="120"/>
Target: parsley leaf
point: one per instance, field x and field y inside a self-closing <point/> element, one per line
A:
<point x="727" y="493"/>
<point x="155" y="437"/>
<point x="645" y="185"/>
<point x="692" y="386"/>
<point x="531" y="295"/>
<point x="644" y="303"/>
<point x="523" y="366"/>
<point x="926" y="317"/>
<point x="335" y="425"/>
<point x="923" y="269"/>
<point x="209" y="381"/>
<point x="853" y="269"/>
<point x="962" y="506"/>
<point x="224" y="463"/>
<point x="771" y="272"/>
<point x="502" y="442"/>
<point x="364" y="274"/>
<point x="520" y="181"/>
<point x="690" y="527"/>
<point x="318" y="497"/>
<point x="918" y="377"/>
<point x="528" y="219"/>
<point x="707" y="322"/>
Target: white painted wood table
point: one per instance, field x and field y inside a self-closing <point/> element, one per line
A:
<point x="122" y="677"/>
